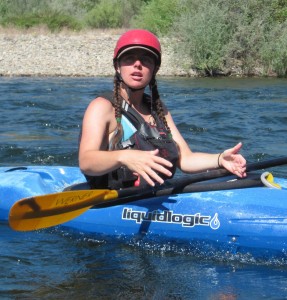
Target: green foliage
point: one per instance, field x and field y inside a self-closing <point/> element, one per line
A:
<point x="105" y="14"/>
<point x="257" y="33"/>
<point x="88" y="4"/>
<point x="204" y="32"/>
<point x="112" y="13"/>
<point x="249" y="22"/>
<point x="215" y="33"/>
<point x="25" y="14"/>
<point x="157" y="16"/>
<point x="274" y="51"/>
<point x="279" y="11"/>
<point x="54" y="21"/>
<point x="58" y="21"/>
<point x="3" y="8"/>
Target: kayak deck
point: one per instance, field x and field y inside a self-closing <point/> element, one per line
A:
<point x="238" y="220"/>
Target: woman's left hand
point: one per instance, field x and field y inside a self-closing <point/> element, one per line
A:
<point x="234" y="162"/>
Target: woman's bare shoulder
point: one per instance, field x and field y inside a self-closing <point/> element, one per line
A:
<point x="101" y="101"/>
<point x="100" y="104"/>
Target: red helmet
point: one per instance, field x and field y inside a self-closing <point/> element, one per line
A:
<point x="138" y="38"/>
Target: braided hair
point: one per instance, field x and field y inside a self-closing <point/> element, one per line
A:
<point x="156" y="105"/>
<point x="118" y="100"/>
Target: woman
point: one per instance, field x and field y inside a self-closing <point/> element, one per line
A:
<point x="128" y="137"/>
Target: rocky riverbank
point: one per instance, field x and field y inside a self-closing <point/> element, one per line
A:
<point x="39" y="53"/>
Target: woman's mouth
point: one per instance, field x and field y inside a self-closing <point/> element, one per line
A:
<point x="137" y="75"/>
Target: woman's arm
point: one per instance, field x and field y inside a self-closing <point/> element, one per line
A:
<point x="98" y="124"/>
<point x="190" y="162"/>
<point x="95" y="159"/>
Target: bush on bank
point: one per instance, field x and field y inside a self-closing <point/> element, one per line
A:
<point x="249" y="34"/>
<point x="218" y="35"/>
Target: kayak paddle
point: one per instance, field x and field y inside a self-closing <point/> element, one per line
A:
<point x="44" y="211"/>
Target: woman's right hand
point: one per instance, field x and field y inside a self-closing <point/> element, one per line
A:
<point x="147" y="164"/>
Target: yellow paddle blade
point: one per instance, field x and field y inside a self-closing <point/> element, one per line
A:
<point x="53" y="209"/>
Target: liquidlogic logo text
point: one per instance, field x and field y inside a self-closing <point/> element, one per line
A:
<point x="168" y="216"/>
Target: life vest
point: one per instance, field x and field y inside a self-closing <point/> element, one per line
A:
<point x="145" y="137"/>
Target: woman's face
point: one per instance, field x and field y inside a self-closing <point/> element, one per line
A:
<point x="137" y="67"/>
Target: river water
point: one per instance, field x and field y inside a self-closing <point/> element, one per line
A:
<point x="41" y="119"/>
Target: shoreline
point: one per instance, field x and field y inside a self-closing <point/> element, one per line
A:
<point x="71" y="54"/>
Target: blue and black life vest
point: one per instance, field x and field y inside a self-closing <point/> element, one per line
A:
<point x="145" y="137"/>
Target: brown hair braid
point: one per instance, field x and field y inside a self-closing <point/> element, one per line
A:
<point x="157" y="105"/>
<point x="118" y="134"/>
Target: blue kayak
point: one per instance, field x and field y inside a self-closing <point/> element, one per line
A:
<point x="246" y="220"/>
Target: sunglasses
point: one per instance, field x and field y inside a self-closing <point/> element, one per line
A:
<point x="131" y="58"/>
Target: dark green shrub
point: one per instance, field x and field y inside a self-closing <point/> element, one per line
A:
<point x="157" y="15"/>
<point x="203" y="32"/>
<point x="112" y="13"/>
<point x="217" y="33"/>
<point x="54" y="21"/>
<point x="279" y="11"/>
<point x="26" y="14"/>
<point x="273" y="52"/>
<point x="107" y="14"/>
<point x="57" y="21"/>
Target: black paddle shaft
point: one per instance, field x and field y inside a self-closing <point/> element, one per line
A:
<point x="174" y="186"/>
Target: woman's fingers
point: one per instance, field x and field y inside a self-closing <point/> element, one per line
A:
<point x="236" y="148"/>
<point x="151" y="177"/>
<point x="152" y="166"/>
<point x="233" y="161"/>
